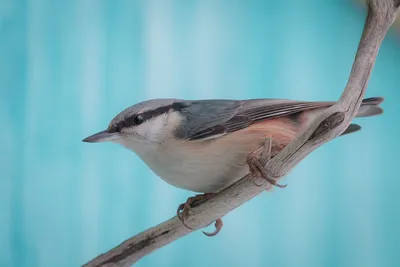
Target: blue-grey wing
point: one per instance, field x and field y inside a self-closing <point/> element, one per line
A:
<point x="208" y="119"/>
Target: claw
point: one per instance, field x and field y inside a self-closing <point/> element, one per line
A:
<point x="178" y="212"/>
<point x="273" y="182"/>
<point x="181" y="207"/>
<point x="264" y="175"/>
<point x="218" y="226"/>
<point x="189" y="202"/>
<point x="258" y="185"/>
<point x="184" y="208"/>
<point x="258" y="158"/>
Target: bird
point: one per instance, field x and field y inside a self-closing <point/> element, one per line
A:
<point x="204" y="145"/>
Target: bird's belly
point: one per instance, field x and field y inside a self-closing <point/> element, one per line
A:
<point x="199" y="176"/>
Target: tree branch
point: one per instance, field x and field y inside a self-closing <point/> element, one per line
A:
<point x="330" y="124"/>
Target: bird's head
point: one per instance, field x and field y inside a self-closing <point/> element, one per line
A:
<point x="147" y="122"/>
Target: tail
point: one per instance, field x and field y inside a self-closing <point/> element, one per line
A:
<point x="369" y="107"/>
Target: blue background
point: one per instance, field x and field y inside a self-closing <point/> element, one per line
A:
<point x="67" y="67"/>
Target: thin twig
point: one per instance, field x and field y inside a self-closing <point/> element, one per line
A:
<point x="330" y="124"/>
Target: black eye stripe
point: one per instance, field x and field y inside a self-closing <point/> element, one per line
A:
<point x="138" y="119"/>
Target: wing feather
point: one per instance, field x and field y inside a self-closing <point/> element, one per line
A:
<point x="208" y="119"/>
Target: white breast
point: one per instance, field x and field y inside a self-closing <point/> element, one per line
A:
<point x="201" y="169"/>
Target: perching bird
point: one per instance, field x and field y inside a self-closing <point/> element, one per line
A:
<point x="203" y="145"/>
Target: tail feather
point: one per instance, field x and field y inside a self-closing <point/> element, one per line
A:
<point x="351" y="129"/>
<point x="370" y="107"/>
<point x="373" y="100"/>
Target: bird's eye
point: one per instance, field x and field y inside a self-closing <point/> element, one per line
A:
<point x="138" y="119"/>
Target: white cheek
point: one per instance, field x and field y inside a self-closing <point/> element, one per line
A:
<point x="154" y="129"/>
<point x="160" y="128"/>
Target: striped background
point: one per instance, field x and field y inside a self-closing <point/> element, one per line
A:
<point x="67" y="67"/>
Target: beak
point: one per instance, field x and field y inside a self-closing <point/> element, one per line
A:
<point x="103" y="136"/>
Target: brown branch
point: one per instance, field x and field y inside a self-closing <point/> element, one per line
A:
<point x="330" y="124"/>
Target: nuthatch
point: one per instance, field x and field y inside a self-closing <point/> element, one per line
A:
<point x="203" y="145"/>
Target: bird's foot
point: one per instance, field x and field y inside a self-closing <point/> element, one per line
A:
<point x="257" y="161"/>
<point x="218" y="226"/>
<point x="184" y="208"/>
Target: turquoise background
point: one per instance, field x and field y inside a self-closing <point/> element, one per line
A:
<point x="68" y="67"/>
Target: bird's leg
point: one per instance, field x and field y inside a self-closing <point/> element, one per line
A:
<point x="257" y="160"/>
<point x="184" y="208"/>
<point x="262" y="154"/>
